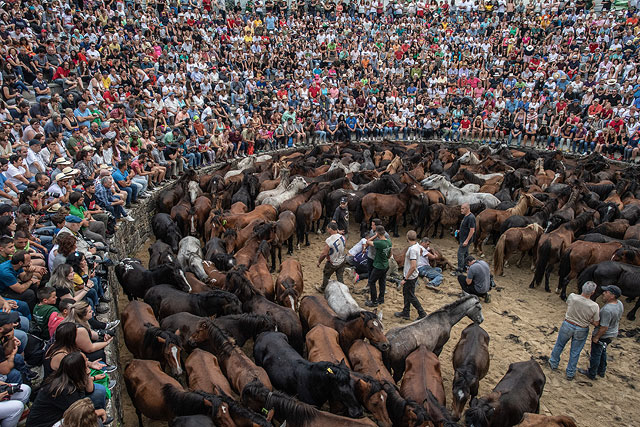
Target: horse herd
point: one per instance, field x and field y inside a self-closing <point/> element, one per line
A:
<point x="211" y="302"/>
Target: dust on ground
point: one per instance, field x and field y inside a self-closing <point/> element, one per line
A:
<point x="522" y="323"/>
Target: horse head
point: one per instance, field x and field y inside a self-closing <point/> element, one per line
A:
<point x="461" y="389"/>
<point x="289" y="295"/>
<point x="231" y="304"/>
<point x="339" y="380"/>
<point x="193" y="189"/>
<point x="168" y="343"/>
<point x="297" y="184"/>
<point x="374" y="398"/>
<point x="474" y="310"/>
<point x="374" y="330"/>
<point x="481" y="411"/>
<point x="174" y="275"/>
<point x="224" y="262"/>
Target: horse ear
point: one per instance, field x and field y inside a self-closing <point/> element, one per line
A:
<point x="342" y="363"/>
<point x="207" y="402"/>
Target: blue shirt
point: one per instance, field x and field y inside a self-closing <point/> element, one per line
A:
<point x="8" y="276"/>
<point x="79" y="113"/>
<point x="119" y="176"/>
<point x="270" y="21"/>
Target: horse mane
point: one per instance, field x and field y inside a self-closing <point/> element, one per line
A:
<point x="230" y="232"/>
<point x="396" y="405"/>
<point x="237" y="282"/>
<point x="238" y="410"/>
<point x="222" y="342"/>
<point x="184" y="402"/>
<point x="579" y="222"/>
<point x="454" y="304"/>
<point x="463" y="378"/>
<point x="261" y="229"/>
<point x="476" y="416"/>
<point x="291" y="409"/>
<point x="376" y="386"/>
<point x="368" y="315"/>
<point x="340" y="372"/>
<point x="250" y="323"/>
<point x="151" y="335"/>
<point x="535" y="227"/>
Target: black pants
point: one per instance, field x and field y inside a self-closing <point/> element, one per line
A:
<point x="409" y="294"/>
<point x="329" y="269"/>
<point x="470" y="289"/>
<point x="28" y="296"/>
<point x="380" y="276"/>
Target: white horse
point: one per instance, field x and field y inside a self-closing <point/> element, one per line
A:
<point x="190" y="257"/>
<point x="243" y="164"/>
<point x="193" y="188"/>
<point x="340" y="300"/>
<point x="284" y="183"/>
<point x="354" y="167"/>
<point x="263" y="158"/>
<point x="337" y="164"/>
<point x="469" y="158"/>
<point x="489" y="175"/>
<point x="295" y="186"/>
<point x="470" y="188"/>
<point x="455" y="196"/>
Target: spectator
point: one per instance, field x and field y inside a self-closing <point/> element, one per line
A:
<point x="17" y="280"/>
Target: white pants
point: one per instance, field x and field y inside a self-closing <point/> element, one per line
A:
<point x="11" y="410"/>
<point x="141" y="182"/>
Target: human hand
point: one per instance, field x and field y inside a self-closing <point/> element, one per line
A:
<point x="595" y="340"/>
<point x="99" y="377"/>
<point x="6" y="307"/>
<point x="4" y="395"/>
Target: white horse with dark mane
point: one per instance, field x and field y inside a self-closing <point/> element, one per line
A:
<point x="340" y="300"/>
<point x="243" y="164"/>
<point x="456" y="196"/>
<point x="284" y="182"/>
<point x="190" y="257"/>
<point x="296" y="185"/>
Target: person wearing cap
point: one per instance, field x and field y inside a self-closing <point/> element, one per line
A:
<point x="72" y="225"/>
<point x="478" y="278"/>
<point x="17" y="280"/>
<point x="604" y="332"/>
<point x="341" y="217"/>
<point x="60" y="163"/>
<point x="333" y="251"/>
<point x="581" y="312"/>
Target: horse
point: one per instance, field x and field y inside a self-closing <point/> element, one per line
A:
<point x="217" y="224"/>
<point x="244" y="326"/>
<point x="279" y="189"/>
<point x="340" y="300"/>
<point x="367" y="359"/>
<point x="537" y="420"/>
<point x="628" y="255"/>
<point x="286" y="320"/>
<point x="216" y="252"/>
<point x="432" y="331"/>
<point x="552" y="245"/>
<point x="455" y="196"/>
<point x="219" y="408"/>
<point x="184" y="216"/>
<point x="289" y="283"/>
<point x="165" y="301"/>
<point x="166" y="230"/>
<point x="160" y="253"/>
<point x="442" y="215"/>
<point x="294" y="412"/>
<point x="308" y="217"/>
<point x="313" y="383"/>
<point x="625" y="276"/>
<point x="248" y="254"/>
<point x="422" y="383"/>
<point x="517" y="392"/>
<point x="259" y="272"/>
<point x="490" y="220"/>
<point x="521" y="239"/>
<point x="224" y="245"/>
<point x="136" y="280"/>
<point x="470" y="364"/>
<point x="615" y="229"/>
<point x="245" y="233"/>
<point x="190" y="257"/>
<point x="296" y="185"/>
<point x="146" y="340"/>
<point x="160" y="397"/>
<point x="202" y="208"/>
<point x="248" y="191"/>
<point x="364" y="324"/>
<point x="285" y="229"/>
<point x="235" y="364"/>
<point x="192" y="421"/>
<point x="205" y="375"/>
<point x="578" y="256"/>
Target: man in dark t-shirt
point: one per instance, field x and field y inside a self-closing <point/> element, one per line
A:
<point x="478" y="278"/>
<point x="465" y="236"/>
<point x="341" y="217"/>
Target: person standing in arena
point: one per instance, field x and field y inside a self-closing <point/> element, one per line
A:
<point x="333" y="251"/>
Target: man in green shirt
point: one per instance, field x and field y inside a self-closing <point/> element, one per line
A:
<point x="41" y="312"/>
<point x="378" y="274"/>
<point x="94" y="230"/>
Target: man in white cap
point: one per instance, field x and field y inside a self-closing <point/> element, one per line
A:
<point x="60" y="164"/>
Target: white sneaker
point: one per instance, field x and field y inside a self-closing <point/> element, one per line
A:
<point x="129" y="218"/>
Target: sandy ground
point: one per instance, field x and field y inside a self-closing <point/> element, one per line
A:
<point x="522" y="324"/>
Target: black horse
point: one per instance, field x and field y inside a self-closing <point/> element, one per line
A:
<point x="136" y="280"/>
<point x="216" y="251"/>
<point x="166" y="300"/>
<point x="624" y="276"/>
<point x="248" y="191"/>
<point x="160" y="253"/>
<point x="244" y="326"/>
<point x="165" y="229"/>
<point x="312" y="383"/>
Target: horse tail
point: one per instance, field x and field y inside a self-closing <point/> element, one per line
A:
<point x="565" y="268"/>
<point x="498" y="256"/>
<point x="301" y="224"/>
<point x="544" y="253"/>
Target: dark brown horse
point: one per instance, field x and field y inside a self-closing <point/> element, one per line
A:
<point x="517" y="239"/>
<point x="315" y="311"/>
<point x="146" y="340"/>
<point x="470" y="364"/>
<point x="285" y="229"/>
<point x="443" y="215"/>
<point x="308" y="216"/>
<point x="252" y="248"/>
<point x="205" y="375"/>
<point x="289" y="284"/>
<point x="201" y="208"/>
<point x="217" y="224"/>
<point x="184" y="216"/>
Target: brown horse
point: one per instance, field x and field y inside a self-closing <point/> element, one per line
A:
<point x="470" y="364"/>
<point x="308" y="217"/>
<point x="204" y="373"/>
<point x="315" y="311"/>
<point x="146" y="340"/>
<point x="289" y="284"/>
<point x="235" y="364"/>
<point x="182" y="213"/>
<point x="422" y="383"/>
<point x="367" y="360"/>
<point x="245" y="233"/>
<point x="632" y="232"/>
<point x="238" y="208"/>
<point x="323" y="346"/>
<point x="385" y="205"/>
<point x="578" y="256"/>
<point x="201" y="208"/>
<point x="260" y="276"/>
<point x="490" y="220"/>
<point x="249" y="253"/>
<point x="219" y="223"/>
<point x="521" y="239"/>
<point x="537" y="420"/>
<point x="444" y="216"/>
<point x="160" y="397"/>
<point x="285" y="229"/>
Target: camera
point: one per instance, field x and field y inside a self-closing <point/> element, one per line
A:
<point x="10" y="389"/>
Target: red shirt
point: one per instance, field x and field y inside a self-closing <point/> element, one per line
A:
<point x="616" y="124"/>
<point x="465" y="123"/>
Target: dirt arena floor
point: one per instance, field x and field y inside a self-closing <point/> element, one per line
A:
<point x="522" y="324"/>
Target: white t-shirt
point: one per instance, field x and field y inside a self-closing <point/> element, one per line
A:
<point x="413" y="253"/>
<point x="423" y="259"/>
<point x="336" y="245"/>
<point x="12" y="171"/>
<point x="357" y="248"/>
<point x="33" y="157"/>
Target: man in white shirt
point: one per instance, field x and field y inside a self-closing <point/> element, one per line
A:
<point x="34" y="161"/>
<point x="410" y="274"/>
<point x="433" y="274"/>
<point x="16" y="174"/>
<point x="333" y="251"/>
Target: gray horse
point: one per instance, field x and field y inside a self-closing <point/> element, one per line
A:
<point x="190" y="257"/>
<point x="432" y="331"/>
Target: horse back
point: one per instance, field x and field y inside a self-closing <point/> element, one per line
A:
<point x="323" y="346"/>
<point x="316" y="311"/>
<point x="422" y="372"/>
<point x="204" y="373"/>
<point x="367" y="360"/>
<point x="135" y="317"/>
<point x="144" y="380"/>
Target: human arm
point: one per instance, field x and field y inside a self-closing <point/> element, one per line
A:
<point x="412" y="268"/>
<point x="86" y="345"/>
<point x="324" y="254"/>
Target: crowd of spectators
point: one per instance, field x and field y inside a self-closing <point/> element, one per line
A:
<point x="102" y="101"/>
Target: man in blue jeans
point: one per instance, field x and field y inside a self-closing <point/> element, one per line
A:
<point x="433" y="274"/>
<point x="121" y="177"/>
<point x="581" y="311"/>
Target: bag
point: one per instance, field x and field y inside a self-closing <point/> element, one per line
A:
<point x="34" y="351"/>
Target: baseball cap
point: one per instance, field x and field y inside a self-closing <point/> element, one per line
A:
<point x="343" y="200"/>
<point x="8" y="318"/>
<point x="613" y="289"/>
<point x="73" y="219"/>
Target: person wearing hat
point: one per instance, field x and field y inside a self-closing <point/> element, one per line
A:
<point x="605" y="332"/>
<point x="581" y="312"/>
<point x="17" y="280"/>
<point x="478" y="278"/>
<point x="60" y="163"/>
<point x="72" y="225"/>
<point x="60" y="188"/>
<point x="333" y="251"/>
<point x="341" y="217"/>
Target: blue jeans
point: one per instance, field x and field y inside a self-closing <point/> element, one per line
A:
<point x="99" y="396"/>
<point x="510" y="138"/>
<point x="23" y="308"/>
<point x="463" y="253"/>
<point x="132" y="193"/>
<point x="578" y="337"/>
<point x="434" y="274"/>
<point x="191" y="158"/>
<point x="598" y="360"/>
<point x="15" y="376"/>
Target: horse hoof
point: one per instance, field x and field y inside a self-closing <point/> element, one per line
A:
<point x="557" y="290"/>
<point x="531" y="286"/>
